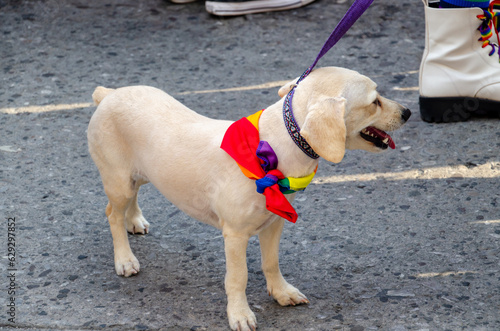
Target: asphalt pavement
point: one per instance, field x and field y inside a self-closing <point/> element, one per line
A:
<point x="404" y="240"/>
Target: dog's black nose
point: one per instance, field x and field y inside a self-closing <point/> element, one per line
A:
<point x="405" y="115"/>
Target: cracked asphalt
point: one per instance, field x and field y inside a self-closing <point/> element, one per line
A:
<point x="403" y="240"/>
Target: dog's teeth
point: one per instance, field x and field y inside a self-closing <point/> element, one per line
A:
<point x="385" y="141"/>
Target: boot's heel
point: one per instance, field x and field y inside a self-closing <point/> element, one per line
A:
<point x="445" y="110"/>
<point x="457" y="109"/>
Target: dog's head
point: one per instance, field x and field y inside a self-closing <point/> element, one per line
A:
<point x="341" y="109"/>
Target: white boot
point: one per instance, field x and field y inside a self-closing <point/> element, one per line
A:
<point x="459" y="78"/>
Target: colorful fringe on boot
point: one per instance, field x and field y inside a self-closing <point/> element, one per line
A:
<point x="490" y="25"/>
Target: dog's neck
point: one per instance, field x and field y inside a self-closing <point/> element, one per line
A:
<point x="292" y="161"/>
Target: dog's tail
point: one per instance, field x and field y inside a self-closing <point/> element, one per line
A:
<point x="100" y="93"/>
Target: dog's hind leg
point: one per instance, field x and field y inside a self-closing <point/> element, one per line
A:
<point x="121" y="196"/>
<point x="134" y="220"/>
<point x="277" y="286"/>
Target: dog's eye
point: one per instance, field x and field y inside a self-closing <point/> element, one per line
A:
<point x="377" y="102"/>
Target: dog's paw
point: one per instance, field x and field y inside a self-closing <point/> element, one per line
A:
<point x="287" y="295"/>
<point x="127" y="267"/>
<point x="137" y="225"/>
<point x="242" y="319"/>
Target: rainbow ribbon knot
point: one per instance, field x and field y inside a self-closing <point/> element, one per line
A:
<point x="267" y="181"/>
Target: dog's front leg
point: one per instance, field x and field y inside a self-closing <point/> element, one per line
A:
<point x="238" y="312"/>
<point x="277" y="286"/>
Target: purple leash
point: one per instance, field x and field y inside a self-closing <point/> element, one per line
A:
<point x="353" y="14"/>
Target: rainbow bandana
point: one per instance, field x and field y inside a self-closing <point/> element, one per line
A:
<point x="258" y="161"/>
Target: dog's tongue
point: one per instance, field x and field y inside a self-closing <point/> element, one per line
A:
<point x="384" y="135"/>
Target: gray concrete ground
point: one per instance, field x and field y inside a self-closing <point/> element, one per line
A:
<point x="404" y="240"/>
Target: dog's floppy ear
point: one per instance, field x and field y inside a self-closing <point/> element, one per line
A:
<point x="287" y="87"/>
<point x="324" y="129"/>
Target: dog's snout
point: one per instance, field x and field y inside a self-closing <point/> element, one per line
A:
<point x="405" y="115"/>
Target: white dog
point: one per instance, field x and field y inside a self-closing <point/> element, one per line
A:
<point x="140" y="134"/>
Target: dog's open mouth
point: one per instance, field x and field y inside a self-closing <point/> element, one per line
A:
<point x="379" y="138"/>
